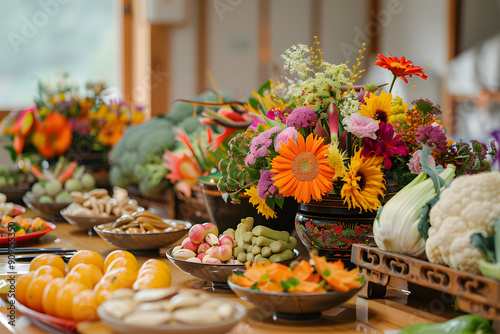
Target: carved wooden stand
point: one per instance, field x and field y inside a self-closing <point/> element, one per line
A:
<point x="475" y="294"/>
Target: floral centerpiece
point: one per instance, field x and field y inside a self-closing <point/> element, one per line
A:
<point x="318" y="135"/>
<point x="62" y="119"/>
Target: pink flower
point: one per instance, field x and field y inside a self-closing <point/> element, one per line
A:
<point x="361" y="126"/>
<point x="414" y="164"/>
<point x="432" y="136"/>
<point x="282" y="138"/>
<point x="271" y="114"/>
<point x="301" y="117"/>
<point x="181" y="167"/>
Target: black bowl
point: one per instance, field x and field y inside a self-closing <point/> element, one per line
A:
<point x="228" y="215"/>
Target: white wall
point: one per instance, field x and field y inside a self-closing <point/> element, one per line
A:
<point x="414" y="29"/>
<point x="233" y="43"/>
<point x="183" y="56"/>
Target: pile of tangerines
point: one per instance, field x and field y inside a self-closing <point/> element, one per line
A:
<point x="76" y="294"/>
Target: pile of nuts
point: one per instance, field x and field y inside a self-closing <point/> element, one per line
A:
<point x="154" y="307"/>
<point x="141" y="222"/>
<point x="98" y="203"/>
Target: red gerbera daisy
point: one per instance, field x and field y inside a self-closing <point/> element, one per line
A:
<point x="400" y="67"/>
<point x="386" y="145"/>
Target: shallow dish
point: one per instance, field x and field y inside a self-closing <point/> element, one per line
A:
<point x="29" y="236"/>
<point x="221" y="327"/>
<point x="48" y="210"/>
<point x="143" y="241"/>
<point x="48" y="322"/>
<point x="215" y="273"/>
<point x="18" y="210"/>
<point x="86" y="222"/>
<point x="293" y="305"/>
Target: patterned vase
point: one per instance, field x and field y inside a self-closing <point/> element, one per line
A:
<point x="330" y="228"/>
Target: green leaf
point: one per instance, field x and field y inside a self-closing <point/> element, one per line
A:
<point x="430" y="170"/>
<point x="263" y="278"/>
<point x="255" y="287"/>
<point x="265" y="86"/>
<point x="13" y="153"/>
<point x="485" y="244"/>
<point x="326" y="273"/>
<point x="280" y="202"/>
<point x="270" y="202"/>
<point x="360" y="279"/>
<point x="254" y="103"/>
<point x="285" y="285"/>
<point x="293" y="281"/>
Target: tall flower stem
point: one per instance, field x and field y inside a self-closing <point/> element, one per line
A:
<point x="392" y="83"/>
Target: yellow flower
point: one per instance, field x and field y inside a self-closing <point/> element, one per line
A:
<point x="364" y="183"/>
<point x="43" y="112"/>
<point x="336" y="160"/>
<point x="137" y="117"/>
<point x="262" y="207"/>
<point x="377" y="107"/>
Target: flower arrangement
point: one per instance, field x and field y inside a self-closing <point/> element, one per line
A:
<point x="60" y="119"/>
<point x="318" y="134"/>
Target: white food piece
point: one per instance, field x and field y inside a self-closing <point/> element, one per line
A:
<point x="123" y="294"/>
<point x="118" y="308"/>
<point x="182" y="300"/>
<point x="196" y="315"/>
<point x="162" y="305"/>
<point x="151" y="295"/>
<point x="194" y="259"/>
<point x="184" y="254"/>
<point x="148" y="318"/>
<point x="225" y="311"/>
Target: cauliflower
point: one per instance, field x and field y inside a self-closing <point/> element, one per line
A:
<point x="470" y="205"/>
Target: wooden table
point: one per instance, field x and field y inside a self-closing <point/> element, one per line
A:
<point x="357" y="315"/>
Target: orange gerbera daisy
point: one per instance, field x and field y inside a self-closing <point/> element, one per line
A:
<point x="400" y="67"/>
<point x="302" y="169"/>
<point x="52" y="137"/>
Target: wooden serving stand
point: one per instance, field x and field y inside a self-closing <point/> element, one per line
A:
<point x="474" y="293"/>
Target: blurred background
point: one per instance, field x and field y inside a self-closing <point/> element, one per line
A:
<point x="152" y="52"/>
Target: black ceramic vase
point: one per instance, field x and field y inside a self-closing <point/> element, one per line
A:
<point x="228" y="215"/>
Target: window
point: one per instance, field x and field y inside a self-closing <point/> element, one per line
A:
<point x="41" y="38"/>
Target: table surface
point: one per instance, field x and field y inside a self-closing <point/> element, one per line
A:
<point x="395" y="311"/>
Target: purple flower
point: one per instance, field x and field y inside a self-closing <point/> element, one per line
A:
<point x="79" y="126"/>
<point x="387" y="145"/>
<point x="282" y="138"/>
<point x="432" y="136"/>
<point x="363" y="94"/>
<point x="266" y="187"/>
<point x="259" y="145"/>
<point x="301" y="117"/>
<point x="271" y="114"/>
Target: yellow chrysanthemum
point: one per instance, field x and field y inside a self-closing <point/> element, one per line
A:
<point x="302" y="169"/>
<point x="336" y="160"/>
<point x="377" y="107"/>
<point x="364" y="183"/>
<point x="262" y="207"/>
